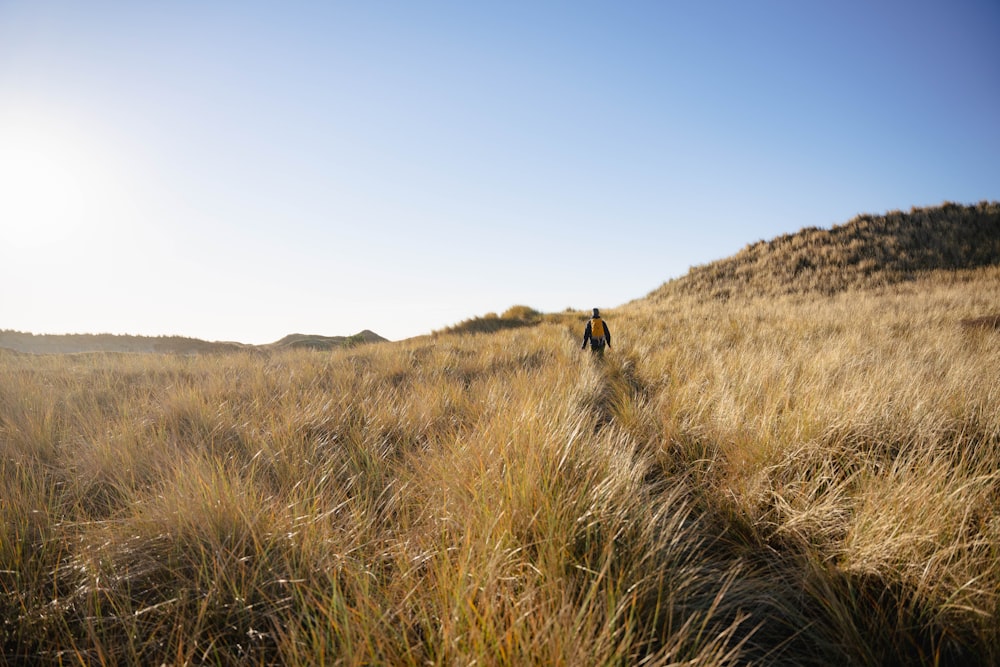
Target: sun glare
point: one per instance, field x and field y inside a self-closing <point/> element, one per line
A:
<point x="55" y="183"/>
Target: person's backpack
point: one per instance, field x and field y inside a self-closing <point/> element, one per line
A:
<point x="596" y="328"/>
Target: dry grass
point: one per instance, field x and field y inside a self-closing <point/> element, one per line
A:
<point x="870" y="251"/>
<point x="854" y="441"/>
<point x="801" y="480"/>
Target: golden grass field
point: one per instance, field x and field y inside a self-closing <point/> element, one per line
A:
<point x="794" y="479"/>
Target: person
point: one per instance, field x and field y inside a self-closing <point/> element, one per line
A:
<point x="598" y="333"/>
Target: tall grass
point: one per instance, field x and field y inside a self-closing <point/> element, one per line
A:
<point x="853" y="439"/>
<point x="800" y="480"/>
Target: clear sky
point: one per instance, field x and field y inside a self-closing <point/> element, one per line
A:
<point x="245" y="170"/>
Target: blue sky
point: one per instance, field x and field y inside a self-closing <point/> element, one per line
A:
<point x="240" y="171"/>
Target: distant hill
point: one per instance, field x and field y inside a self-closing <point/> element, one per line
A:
<point x="80" y="343"/>
<point x="868" y="251"/>
<point x="315" y="342"/>
<point x="514" y="317"/>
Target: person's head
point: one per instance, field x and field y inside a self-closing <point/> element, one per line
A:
<point x="597" y="313"/>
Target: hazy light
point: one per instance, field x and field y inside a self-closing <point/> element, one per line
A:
<point x="56" y="184"/>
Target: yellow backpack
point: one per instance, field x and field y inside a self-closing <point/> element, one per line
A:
<point x="596" y="328"/>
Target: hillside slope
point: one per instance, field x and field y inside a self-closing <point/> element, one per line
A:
<point x="869" y="251"/>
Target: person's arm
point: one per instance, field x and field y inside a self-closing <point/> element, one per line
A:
<point x="607" y="333"/>
<point x="586" y="335"/>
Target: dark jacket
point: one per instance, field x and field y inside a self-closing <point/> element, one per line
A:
<point x="587" y="334"/>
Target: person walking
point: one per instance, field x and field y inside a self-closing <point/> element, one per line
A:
<point x="598" y="333"/>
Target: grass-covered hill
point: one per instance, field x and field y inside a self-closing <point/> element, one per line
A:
<point x="869" y="251"/>
<point x="315" y="342"/>
<point x="805" y="478"/>
<point x="29" y="343"/>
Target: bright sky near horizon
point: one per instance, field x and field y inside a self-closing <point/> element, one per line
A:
<point x="245" y="170"/>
